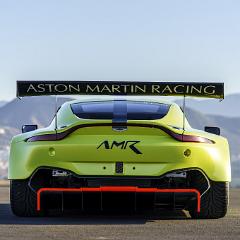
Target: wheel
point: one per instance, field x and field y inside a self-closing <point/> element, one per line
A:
<point x="214" y="202"/>
<point x="23" y="199"/>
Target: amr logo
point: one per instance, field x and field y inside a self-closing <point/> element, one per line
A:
<point x="123" y="145"/>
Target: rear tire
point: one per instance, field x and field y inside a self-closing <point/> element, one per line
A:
<point x="23" y="199"/>
<point x="214" y="202"/>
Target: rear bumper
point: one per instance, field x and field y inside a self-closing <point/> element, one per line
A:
<point x="64" y="198"/>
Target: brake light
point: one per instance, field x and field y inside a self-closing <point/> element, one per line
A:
<point x="61" y="135"/>
<point x="191" y="138"/>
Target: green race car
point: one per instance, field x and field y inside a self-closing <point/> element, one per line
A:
<point x="122" y="154"/>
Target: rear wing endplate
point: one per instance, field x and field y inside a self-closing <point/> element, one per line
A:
<point x="193" y="89"/>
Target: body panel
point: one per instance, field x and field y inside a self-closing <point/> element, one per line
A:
<point x="160" y="153"/>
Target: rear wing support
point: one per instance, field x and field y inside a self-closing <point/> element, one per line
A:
<point x="56" y="110"/>
<point x="184" y="109"/>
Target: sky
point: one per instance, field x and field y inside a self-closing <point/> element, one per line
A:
<point x="145" y="40"/>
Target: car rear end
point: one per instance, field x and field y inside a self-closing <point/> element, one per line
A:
<point x="119" y="155"/>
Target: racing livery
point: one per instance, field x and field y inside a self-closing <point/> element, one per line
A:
<point x="123" y="154"/>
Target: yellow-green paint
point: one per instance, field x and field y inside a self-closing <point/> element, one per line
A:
<point x="160" y="153"/>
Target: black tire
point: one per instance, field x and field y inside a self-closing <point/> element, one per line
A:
<point x="23" y="199"/>
<point x="214" y="202"/>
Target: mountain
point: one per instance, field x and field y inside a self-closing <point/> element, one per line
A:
<point x="228" y="107"/>
<point x="33" y="110"/>
<point x="41" y="110"/>
<point x="2" y="103"/>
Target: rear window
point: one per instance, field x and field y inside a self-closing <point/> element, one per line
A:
<point x="120" y="110"/>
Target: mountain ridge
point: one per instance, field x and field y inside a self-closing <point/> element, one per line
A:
<point x="2" y="103"/>
<point x="226" y="107"/>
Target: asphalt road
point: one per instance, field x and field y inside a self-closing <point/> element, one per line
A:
<point x="158" y="225"/>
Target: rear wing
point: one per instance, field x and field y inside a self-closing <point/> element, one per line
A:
<point x="193" y="89"/>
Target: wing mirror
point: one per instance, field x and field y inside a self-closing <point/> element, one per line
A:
<point x="29" y="128"/>
<point x="213" y="130"/>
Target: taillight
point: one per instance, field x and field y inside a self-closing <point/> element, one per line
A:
<point x="191" y="138"/>
<point x="59" y="136"/>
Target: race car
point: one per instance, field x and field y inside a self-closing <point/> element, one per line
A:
<point x="119" y="153"/>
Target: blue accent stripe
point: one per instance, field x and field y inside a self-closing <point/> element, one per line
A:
<point x="119" y="111"/>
